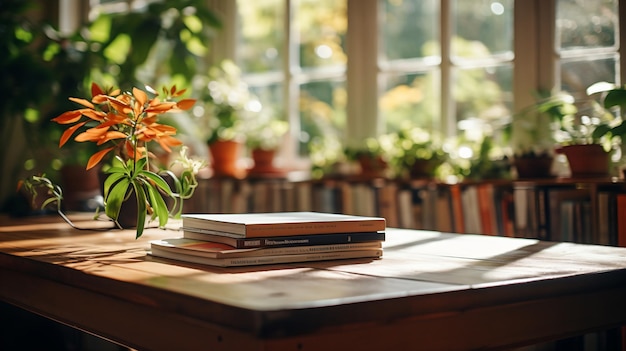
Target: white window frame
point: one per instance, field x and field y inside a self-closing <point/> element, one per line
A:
<point x="535" y="63"/>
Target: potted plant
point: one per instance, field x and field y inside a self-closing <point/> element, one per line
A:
<point x="583" y="134"/>
<point x="264" y="136"/>
<point x="373" y="157"/>
<point x="418" y="153"/>
<point x="562" y="123"/>
<point x="228" y="107"/>
<point x="164" y="40"/>
<point x="533" y="134"/>
<point x="124" y="125"/>
<point x="26" y="83"/>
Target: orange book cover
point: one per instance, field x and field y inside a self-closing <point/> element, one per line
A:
<point x="211" y="249"/>
<point x="487" y="209"/>
<point x="457" y="208"/>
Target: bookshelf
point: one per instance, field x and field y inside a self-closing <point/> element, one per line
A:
<point x="576" y="210"/>
<point x="591" y="211"/>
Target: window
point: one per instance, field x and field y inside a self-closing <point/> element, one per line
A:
<point x="472" y="83"/>
<point x="410" y="64"/>
<point x="445" y="64"/>
<point x="586" y="43"/>
<point x="348" y="69"/>
<point x="294" y="55"/>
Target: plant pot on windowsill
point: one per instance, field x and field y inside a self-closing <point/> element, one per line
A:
<point x="373" y="166"/>
<point x="225" y="158"/>
<point x="423" y="168"/>
<point x="586" y="160"/>
<point x="264" y="164"/>
<point x="533" y="166"/>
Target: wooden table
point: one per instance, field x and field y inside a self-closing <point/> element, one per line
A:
<point x="430" y="291"/>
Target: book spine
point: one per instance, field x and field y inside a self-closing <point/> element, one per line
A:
<point x="302" y="240"/>
<point x="275" y="251"/>
<point x="252" y="261"/>
<point x="621" y="220"/>
<point x="290" y="229"/>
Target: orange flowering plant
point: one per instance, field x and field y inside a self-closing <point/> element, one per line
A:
<point x="124" y="124"/>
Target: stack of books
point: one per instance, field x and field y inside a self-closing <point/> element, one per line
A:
<point x="228" y="240"/>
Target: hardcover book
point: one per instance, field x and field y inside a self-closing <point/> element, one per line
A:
<point x="209" y="249"/>
<point x="254" y="225"/>
<point x="278" y="241"/>
<point x="263" y="260"/>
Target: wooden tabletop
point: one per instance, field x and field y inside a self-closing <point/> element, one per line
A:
<point x="430" y="290"/>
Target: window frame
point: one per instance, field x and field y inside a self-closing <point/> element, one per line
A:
<point x="535" y="62"/>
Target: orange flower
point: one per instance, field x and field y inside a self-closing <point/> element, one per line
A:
<point x="131" y="116"/>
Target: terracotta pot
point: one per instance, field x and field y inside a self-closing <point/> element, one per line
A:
<point x="263" y="160"/>
<point x="589" y="160"/>
<point x="224" y="158"/>
<point x="423" y="168"/>
<point x="533" y="166"/>
<point x="373" y="166"/>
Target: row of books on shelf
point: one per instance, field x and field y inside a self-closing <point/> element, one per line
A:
<point x="549" y="210"/>
<point x="227" y="240"/>
<point x="423" y="206"/>
<point x="581" y="215"/>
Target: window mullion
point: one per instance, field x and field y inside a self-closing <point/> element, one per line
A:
<point x="448" y="124"/>
<point x="224" y="45"/>
<point x="621" y="41"/>
<point x="362" y="71"/>
<point x="547" y="77"/>
<point x="291" y="89"/>
<point x="527" y="59"/>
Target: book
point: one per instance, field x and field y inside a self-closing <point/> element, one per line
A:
<point x="302" y="240"/>
<point x="445" y="222"/>
<point x="457" y="208"/>
<point x="218" y="250"/>
<point x="555" y="198"/>
<point x="264" y="260"/>
<point x="471" y="210"/>
<point x="253" y="225"/>
<point x="487" y="208"/>
<point x="621" y="220"/>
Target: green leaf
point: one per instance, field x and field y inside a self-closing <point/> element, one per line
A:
<point x="141" y="209"/>
<point x="619" y="129"/>
<point x="110" y="181"/>
<point x="158" y="180"/>
<point x="139" y="166"/>
<point x="616" y="97"/>
<point x="118" y="162"/>
<point x="177" y="183"/>
<point x="116" y="196"/>
<point x="116" y="170"/>
<point x="159" y="206"/>
<point x="600" y="131"/>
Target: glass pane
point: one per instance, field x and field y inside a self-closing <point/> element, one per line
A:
<point x="586" y="24"/>
<point x="578" y="75"/>
<point x="484" y="94"/>
<point x="322" y="26"/>
<point x="261" y="36"/>
<point x="322" y="111"/>
<point x="410" y="28"/>
<point x="411" y="97"/>
<point x="482" y="28"/>
<point x="271" y="97"/>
